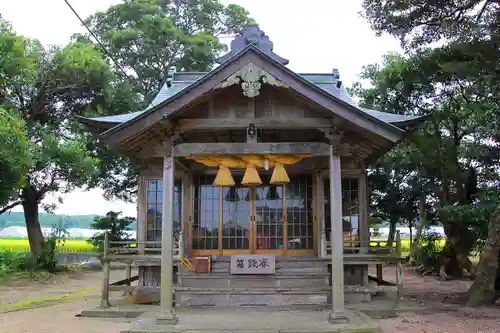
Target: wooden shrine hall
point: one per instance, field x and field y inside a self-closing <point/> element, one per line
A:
<point x="252" y="187"/>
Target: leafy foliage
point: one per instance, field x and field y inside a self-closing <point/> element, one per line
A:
<point x="112" y="224"/>
<point x="47" y="260"/>
<point x="451" y="72"/>
<point x="15" y="155"/>
<point x="146" y="38"/>
<point x="428" y="254"/>
<point x="45" y="88"/>
<point x="14" y="264"/>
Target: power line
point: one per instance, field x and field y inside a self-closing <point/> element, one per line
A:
<point x="98" y="41"/>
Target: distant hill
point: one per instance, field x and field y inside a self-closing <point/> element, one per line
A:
<point x="16" y="219"/>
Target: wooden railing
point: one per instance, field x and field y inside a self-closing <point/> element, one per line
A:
<point x="131" y="254"/>
<point x="370" y="247"/>
<point x="358" y="252"/>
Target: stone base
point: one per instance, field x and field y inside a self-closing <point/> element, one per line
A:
<point x="168" y="319"/>
<point x="340" y="318"/>
<point x="217" y="321"/>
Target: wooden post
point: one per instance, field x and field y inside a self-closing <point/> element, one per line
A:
<point x="364" y="227"/>
<point x="167" y="315"/>
<point x="337" y="314"/>
<point x="105" y="269"/>
<point x="128" y="275"/>
<point x="399" y="267"/>
<point x="180" y="245"/>
<point x="320" y="206"/>
<point x="380" y="274"/>
<point x="142" y="204"/>
<point x="185" y="214"/>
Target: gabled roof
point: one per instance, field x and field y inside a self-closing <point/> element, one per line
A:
<point x="178" y="81"/>
<point x="181" y="89"/>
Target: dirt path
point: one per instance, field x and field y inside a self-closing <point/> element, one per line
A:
<point x="58" y="286"/>
<point x="83" y="291"/>
<point x="60" y="317"/>
<point x="445" y="314"/>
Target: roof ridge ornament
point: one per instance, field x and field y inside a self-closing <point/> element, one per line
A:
<point x="252" y="36"/>
<point x="251" y="78"/>
<point x="336" y="78"/>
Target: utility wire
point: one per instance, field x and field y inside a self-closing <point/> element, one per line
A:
<point x="99" y="42"/>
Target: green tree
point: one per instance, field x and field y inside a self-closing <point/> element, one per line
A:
<point x="443" y="156"/>
<point x="114" y="225"/>
<point x="146" y="38"/>
<point x="15" y="156"/>
<point x="466" y="117"/>
<point x="394" y="191"/>
<point x="46" y="88"/>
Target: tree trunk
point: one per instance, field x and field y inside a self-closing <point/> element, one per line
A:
<point x="482" y="291"/>
<point x="420" y="229"/>
<point x="455" y="255"/>
<point x="392" y="233"/>
<point x="410" y="226"/>
<point x="31" y="216"/>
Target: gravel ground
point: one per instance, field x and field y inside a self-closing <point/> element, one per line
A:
<point x="438" y="296"/>
<point x="445" y="314"/>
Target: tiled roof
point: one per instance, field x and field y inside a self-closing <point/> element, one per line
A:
<point x="181" y="80"/>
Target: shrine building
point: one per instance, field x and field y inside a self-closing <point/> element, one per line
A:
<point x="253" y="184"/>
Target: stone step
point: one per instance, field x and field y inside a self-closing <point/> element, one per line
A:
<point x="277" y="274"/>
<point x="253" y="281"/>
<point x="254" y="291"/>
<point x="271" y="290"/>
<point x="282" y="266"/>
<point x="302" y="262"/>
<point x="266" y="297"/>
<point x="285" y="270"/>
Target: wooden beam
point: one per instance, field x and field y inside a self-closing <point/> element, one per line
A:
<point x="260" y="148"/>
<point x="186" y="125"/>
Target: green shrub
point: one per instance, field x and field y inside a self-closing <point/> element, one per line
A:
<point x="47" y="260"/>
<point x="428" y="254"/>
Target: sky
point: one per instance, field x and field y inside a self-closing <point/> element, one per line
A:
<point x="316" y="36"/>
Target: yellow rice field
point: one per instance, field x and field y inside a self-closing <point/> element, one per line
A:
<point x="22" y="245"/>
<point x="80" y="245"/>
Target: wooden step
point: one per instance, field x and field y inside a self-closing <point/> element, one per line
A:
<point x="280" y="297"/>
<point x="224" y="280"/>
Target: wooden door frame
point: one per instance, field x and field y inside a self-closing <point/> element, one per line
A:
<point x="255" y="250"/>
<point x="252" y="230"/>
<point x="230" y="252"/>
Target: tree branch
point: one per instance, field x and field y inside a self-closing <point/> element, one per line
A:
<point x="9" y="207"/>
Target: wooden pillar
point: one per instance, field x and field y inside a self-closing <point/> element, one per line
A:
<point x="185" y="214"/>
<point x="337" y="314"/>
<point x="128" y="276"/>
<point x="320" y="216"/>
<point x="167" y="315"/>
<point x="142" y="214"/>
<point x="105" y="269"/>
<point x="364" y="227"/>
<point x="399" y="267"/>
<point x="142" y="223"/>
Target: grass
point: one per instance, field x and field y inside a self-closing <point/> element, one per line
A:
<point x="22" y="245"/>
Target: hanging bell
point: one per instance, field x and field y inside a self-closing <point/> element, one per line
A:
<point x="224" y="177"/>
<point x="279" y="176"/>
<point x="251" y="176"/>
